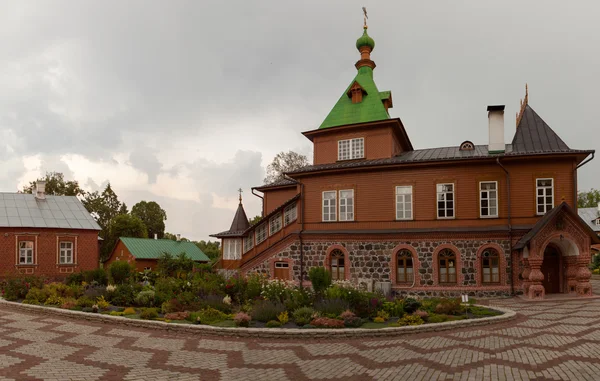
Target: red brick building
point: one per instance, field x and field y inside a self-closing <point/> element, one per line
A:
<point x="488" y="220"/>
<point x="46" y="235"/>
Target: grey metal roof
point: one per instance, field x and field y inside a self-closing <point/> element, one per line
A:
<point x="24" y="210"/>
<point x="535" y="135"/>
<point x="279" y="183"/>
<point x="589" y="215"/>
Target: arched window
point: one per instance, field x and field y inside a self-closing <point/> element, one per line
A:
<point x="447" y="266"/>
<point x="337" y="265"/>
<point x="490" y="266"/>
<point x="467" y="146"/>
<point x="404" y="267"/>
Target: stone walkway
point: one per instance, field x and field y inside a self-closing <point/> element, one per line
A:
<point x="557" y="340"/>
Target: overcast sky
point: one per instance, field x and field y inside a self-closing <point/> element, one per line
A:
<point x="183" y="102"/>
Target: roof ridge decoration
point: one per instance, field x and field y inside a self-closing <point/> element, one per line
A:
<point x="524" y="103"/>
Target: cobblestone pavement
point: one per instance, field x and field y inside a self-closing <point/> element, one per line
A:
<point x="551" y="340"/>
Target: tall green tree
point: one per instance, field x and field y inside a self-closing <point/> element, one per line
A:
<point x="152" y="215"/>
<point x="588" y="199"/>
<point x="123" y="225"/>
<point x="282" y="163"/>
<point x="254" y="220"/>
<point x="210" y="248"/>
<point x="173" y="237"/>
<point x="56" y="185"/>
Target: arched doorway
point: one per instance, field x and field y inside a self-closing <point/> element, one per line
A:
<point x="551" y="268"/>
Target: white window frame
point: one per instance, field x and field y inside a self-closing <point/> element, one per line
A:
<point x="232" y="249"/>
<point x="401" y="200"/>
<point x="290" y="214"/>
<point x="275" y="223"/>
<point x="488" y="199"/>
<point x="349" y="149"/>
<point x="27" y="252"/>
<point x="544" y="190"/>
<point x="248" y="243"/>
<point x="598" y="221"/>
<point x="346" y="206"/>
<point x="260" y="234"/>
<point x="329" y="203"/>
<point x="445" y="201"/>
<point x="65" y="256"/>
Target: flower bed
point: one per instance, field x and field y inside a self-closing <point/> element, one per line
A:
<point x="178" y="294"/>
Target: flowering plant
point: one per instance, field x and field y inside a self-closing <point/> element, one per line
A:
<point x="276" y="289"/>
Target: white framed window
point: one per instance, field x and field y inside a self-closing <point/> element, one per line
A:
<point x="275" y="224"/>
<point x="232" y="249"/>
<point x="26" y="252"/>
<point x="598" y="221"/>
<point x="329" y="206"/>
<point x="445" y="200"/>
<point x="261" y="233"/>
<point x="65" y="253"/>
<point x="347" y="205"/>
<point x="488" y="199"/>
<point x="248" y="242"/>
<point x="351" y="149"/>
<point x="404" y="203"/>
<point x="290" y="214"/>
<point x="545" y="195"/>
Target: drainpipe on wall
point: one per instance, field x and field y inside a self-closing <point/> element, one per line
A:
<point x="262" y="205"/>
<point x="575" y="178"/>
<point x="510" y="245"/>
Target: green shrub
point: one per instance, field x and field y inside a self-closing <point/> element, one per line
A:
<point x="254" y="286"/>
<point x="394" y="308"/>
<point x="85" y="301"/>
<point x="265" y="310"/>
<point x="298" y="297"/>
<point x="437" y="318"/>
<point x="410" y="320"/>
<point x="411" y="305"/>
<point x="273" y="324"/>
<point x="98" y="276"/>
<point x="145" y="299"/>
<point x="320" y="279"/>
<point x="75" y="278"/>
<point x="179" y="266"/>
<point x="120" y="272"/>
<point x="17" y="288"/>
<point x="303" y="315"/>
<point x="482" y="311"/>
<point x="36" y="296"/>
<point x="331" y="307"/>
<point x="115" y="313"/>
<point x="149" y="313"/>
<point x="129" y="311"/>
<point x="54" y="300"/>
<point x="208" y="316"/>
<point x="448" y="307"/>
<point x="216" y="302"/>
<point x="125" y="294"/>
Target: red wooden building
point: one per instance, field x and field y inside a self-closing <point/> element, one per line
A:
<point x="46" y="235"/>
<point x="488" y="220"/>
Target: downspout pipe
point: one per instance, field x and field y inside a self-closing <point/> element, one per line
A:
<point x="262" y="207"/>
<point x="510" y="244"/>
<point x="575" y="178"/>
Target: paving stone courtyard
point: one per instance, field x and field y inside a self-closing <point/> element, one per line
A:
<point x="551" y="340"/>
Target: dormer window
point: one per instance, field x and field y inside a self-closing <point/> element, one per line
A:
<point x="351" y="149"/>
<point x="467" y="146"/>
<point x="598" y="221"/>
<point x="356" y="93"/>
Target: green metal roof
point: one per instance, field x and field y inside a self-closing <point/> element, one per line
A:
<point x="370" y="109"/>
<point x="147" y="248"/>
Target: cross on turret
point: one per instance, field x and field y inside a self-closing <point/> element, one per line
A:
<point x="240" y="191"/>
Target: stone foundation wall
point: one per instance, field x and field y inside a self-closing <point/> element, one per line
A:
<point x="372" y="261"/>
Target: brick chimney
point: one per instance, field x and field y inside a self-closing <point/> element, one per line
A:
<point x="40" y="190"/>
<point x="496" y="128"/>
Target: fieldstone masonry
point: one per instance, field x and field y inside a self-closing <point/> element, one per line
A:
<point x="373" y="261"/>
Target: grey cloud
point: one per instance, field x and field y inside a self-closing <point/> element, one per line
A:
<point x="143" y="159"/>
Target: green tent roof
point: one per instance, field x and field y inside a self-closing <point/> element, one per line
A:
<point x="370" y="109"/>
<point x="146" y="248"/>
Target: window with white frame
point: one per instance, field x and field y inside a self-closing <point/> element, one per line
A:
<point x="347" y="205"/>
<point x="248" y="242"/>
<point x="290" y="213"/>
<point x="66" y="253"/>
<point x="275" y="224"/>
<point x="598" y="221"/>
<point x="488" y="199"/>
<point x="329" y="206"/>
<point x="351" y="149"/>
<point x="404" y="202"/>
<point x="445" y="200"/>
<point x="26" y="252"/>
<point x="545" y="195"/>
<point x="232" y="249"/>
<point x="261" y="233"/>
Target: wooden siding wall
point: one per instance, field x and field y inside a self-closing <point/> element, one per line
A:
<point x="275" y="197"/>
<point x="374" y="193"/>
<point x="380" y="142"/>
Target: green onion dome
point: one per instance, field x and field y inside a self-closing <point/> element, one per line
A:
<point x="365" y="40"/>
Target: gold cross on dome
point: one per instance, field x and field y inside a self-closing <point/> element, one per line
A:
<point x="365" y="14"/>
<point x="240" y="191"/>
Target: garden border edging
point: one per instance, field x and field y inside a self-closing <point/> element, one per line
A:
<point x="276" y="333"/>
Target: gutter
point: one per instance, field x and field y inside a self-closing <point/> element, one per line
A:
<point x="510" y="244"/>
<point x="575" y="177"/>
<point x="262" y="208"/>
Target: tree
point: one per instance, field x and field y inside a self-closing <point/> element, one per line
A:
<point x="254" y="220"/>
<point x="153" y="217"/>
<point x="173" y="237"/>
<point x="210" y="248"/>
<point x="282" y="163"/>
<point x="588" y="199"/>
<point x="56" y="185"/>
<point x="123" y="225"/>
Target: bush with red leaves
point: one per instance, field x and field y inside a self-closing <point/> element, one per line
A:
<point x="324" y="322"/>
